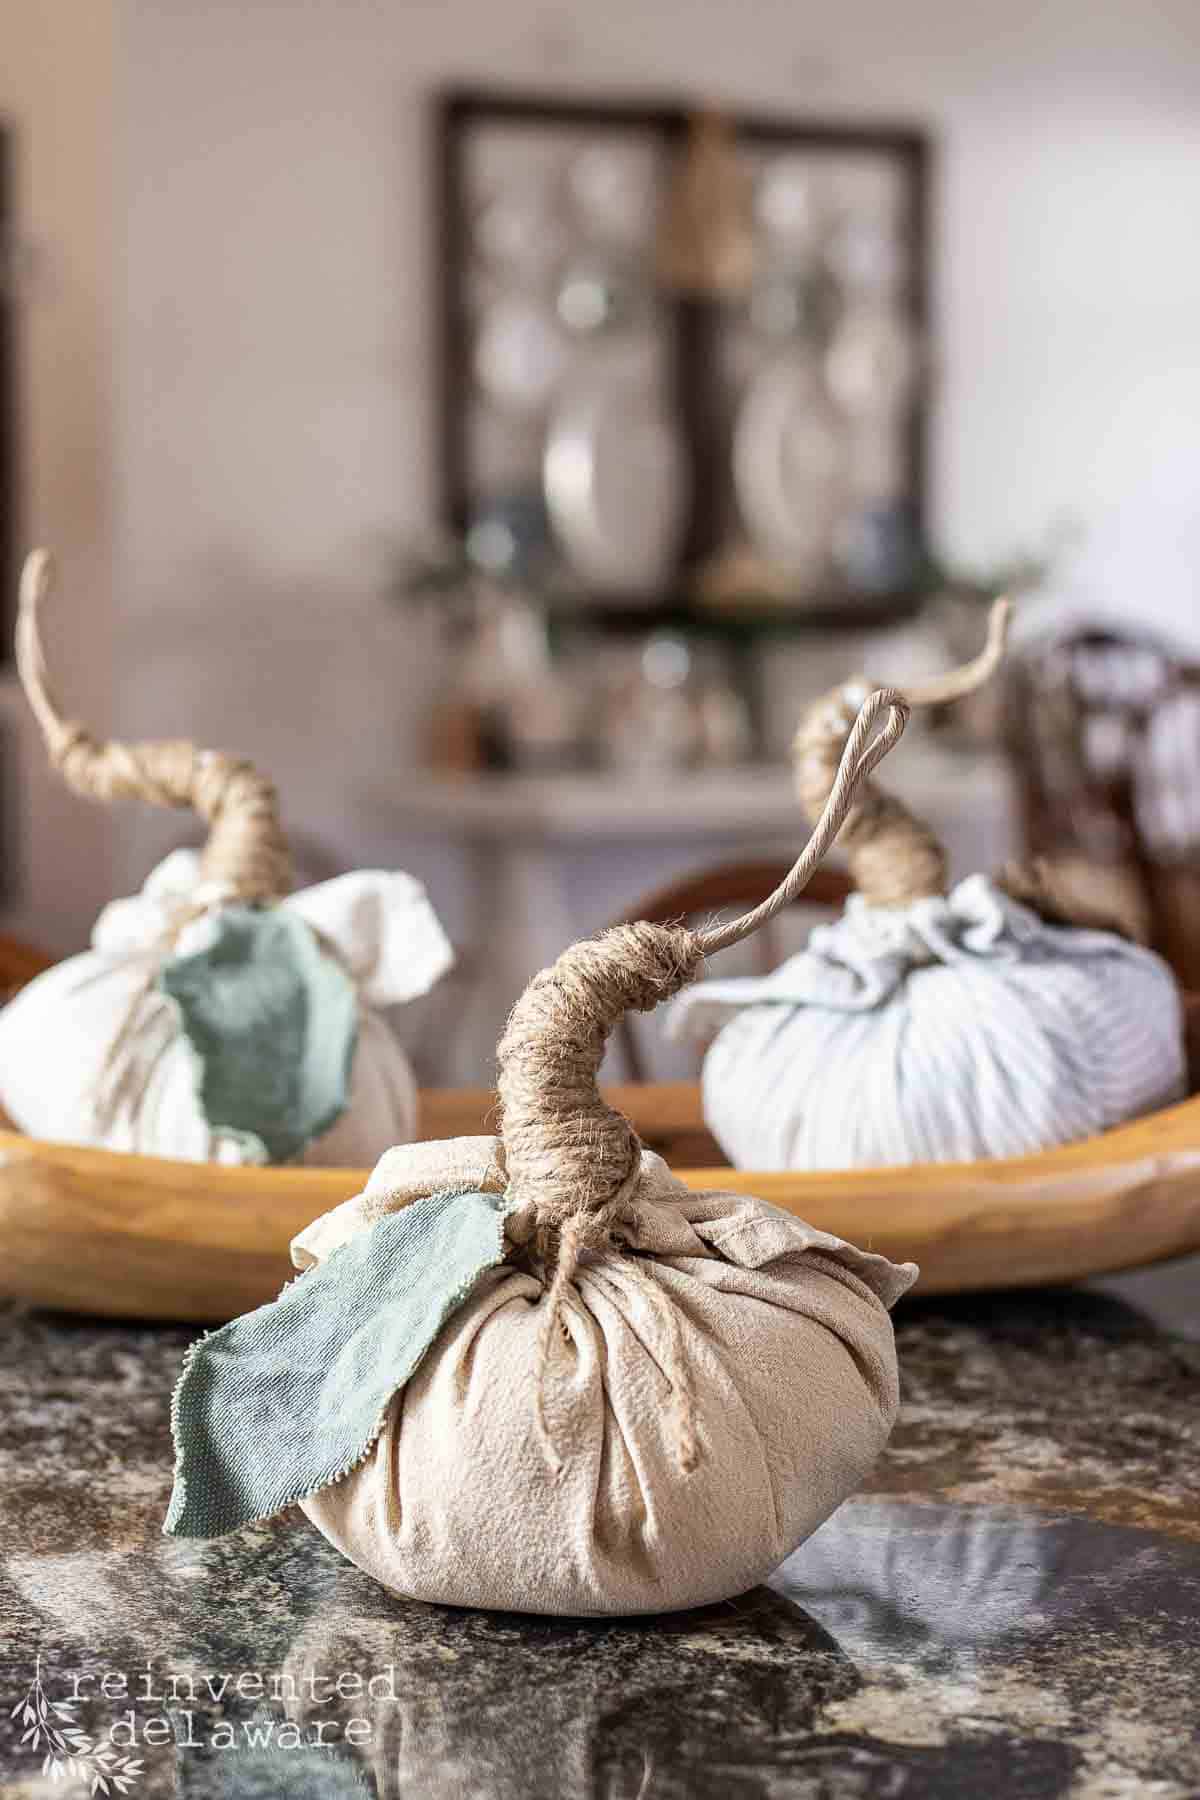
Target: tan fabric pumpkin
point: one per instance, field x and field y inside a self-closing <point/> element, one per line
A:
<point x="787" y="1344"/>
<point x="539" y="1373"/>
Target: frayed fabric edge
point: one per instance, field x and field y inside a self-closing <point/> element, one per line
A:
<point x="177" y="1505"/>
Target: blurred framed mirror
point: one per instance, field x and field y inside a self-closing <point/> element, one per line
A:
<point x="685" y="355"/>
<point x="9" y="496"/>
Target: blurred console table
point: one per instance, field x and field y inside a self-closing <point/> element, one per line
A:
<point x="521" y="865"/>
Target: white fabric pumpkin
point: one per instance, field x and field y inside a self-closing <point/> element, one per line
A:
<point x="218" y="1017"/>
<point x="92" y="1053"/>
<point x="955" y="1028"/>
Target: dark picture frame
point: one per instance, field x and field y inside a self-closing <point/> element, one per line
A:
<point x="10" y="485"/>
<point x="459" y="111"/>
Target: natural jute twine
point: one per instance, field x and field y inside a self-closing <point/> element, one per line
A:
<point x="572" y="1162"/>
<point x="246" y="856"/>
<point x="894" y="858"/>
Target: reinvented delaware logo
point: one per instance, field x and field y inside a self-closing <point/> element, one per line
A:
<point x="68" y="1751"/>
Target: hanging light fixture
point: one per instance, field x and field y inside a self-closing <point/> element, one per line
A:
<point x="706" y="242"/>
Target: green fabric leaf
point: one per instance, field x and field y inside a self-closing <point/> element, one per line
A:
<point x="283" y="1401"/>
<point x="273" y="1022"/>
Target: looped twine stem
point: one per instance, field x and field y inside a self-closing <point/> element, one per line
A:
<point x="246" y="856"/>
<point x="894" y="857"/>
<point x="571" y="1160"/>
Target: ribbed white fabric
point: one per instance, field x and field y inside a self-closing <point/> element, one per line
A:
<point x="955" y="1029"/>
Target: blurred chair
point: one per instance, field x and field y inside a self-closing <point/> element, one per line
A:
<point x="730" y="887"/>
<point x="1104" y="732"/>
<point x="19" y="963"/>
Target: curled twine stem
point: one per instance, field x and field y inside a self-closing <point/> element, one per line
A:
<point x="246" y="855"/>
<point x="894" y="858"/>
<point x="572" y="1162"/>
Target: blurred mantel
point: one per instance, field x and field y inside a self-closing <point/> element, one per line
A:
<point x="520" y="865"/>
<point x="967" y="796"/>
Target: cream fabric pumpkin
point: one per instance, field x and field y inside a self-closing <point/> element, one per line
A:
<point x="92" y="1053"/>
<point x="218" y="1017"/>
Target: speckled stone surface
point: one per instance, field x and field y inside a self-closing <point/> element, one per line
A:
<point x="1012" y="1609"/>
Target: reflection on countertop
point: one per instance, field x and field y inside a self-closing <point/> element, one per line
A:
<point x="1014" y="1609"/>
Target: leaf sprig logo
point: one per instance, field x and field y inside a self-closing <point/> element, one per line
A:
<point x="70" y="1752"/>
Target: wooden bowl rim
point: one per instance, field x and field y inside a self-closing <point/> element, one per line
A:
<point x="1174" y="1127"/>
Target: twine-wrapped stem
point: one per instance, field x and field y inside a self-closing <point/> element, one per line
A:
<point x="569" y="1156"/>
<point x="246" y="853"/>
<point x="894" y="857"/>
<point x="572" y="1160"/>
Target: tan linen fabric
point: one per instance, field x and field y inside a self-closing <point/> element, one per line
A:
<point x="783" y="1332"/>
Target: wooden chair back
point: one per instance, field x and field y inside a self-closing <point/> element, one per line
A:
<point x="19" y="963"/>
<point x="1104" y="732"/>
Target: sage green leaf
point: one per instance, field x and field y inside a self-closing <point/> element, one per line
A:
<point x="273" y="1024"/>
<point x="281" y="1402"/>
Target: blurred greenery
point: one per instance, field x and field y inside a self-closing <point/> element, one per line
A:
<point x="446" y="573"/>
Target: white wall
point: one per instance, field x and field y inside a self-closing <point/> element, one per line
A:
<point x="56" y="94"/>
<point x="274" y="342"/>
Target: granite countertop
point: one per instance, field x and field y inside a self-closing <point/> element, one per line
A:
<point x="1012" y="1608"/>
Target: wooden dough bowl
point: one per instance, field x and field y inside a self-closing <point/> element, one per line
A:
<point x="142" y="1237"/>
